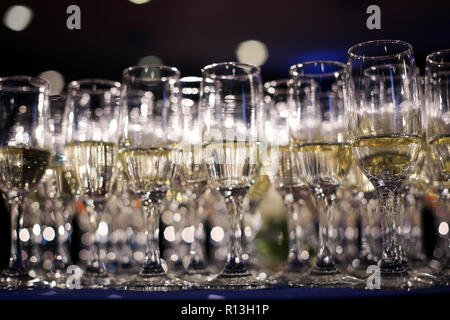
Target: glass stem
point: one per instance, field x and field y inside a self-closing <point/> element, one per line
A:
<point x="365" y="251"/>
<point x="292" y="234"/>
<point x="325" y="260"/>
<point x="401" y="217"/>
<point x="445" y="201"/>
<point x="390" y="260"/>
<point x="15" y="261"/>
<point x="61" y="256"/>
<point x="152" y="264"/>
<point x="295" y="234"/>
<point x="196" y="257"/>
<point x="96" y="264"/>
<point x="234" y="263"/>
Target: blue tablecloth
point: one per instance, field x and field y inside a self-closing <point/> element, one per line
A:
<point x="270" y="294"/>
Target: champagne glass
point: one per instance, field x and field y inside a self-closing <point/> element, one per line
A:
<point x="91" y="156"/>
<point x="232" y="113"/>
<point x="195" y="177"/>
<point x="437" y="95"/>
<point x="24" y="156"/>
<point x="322" y="155"/>
<point x="282" y="173"/>
<point x="386" y="136"/>
<point x="57" y="187"/>
<point x="151" y="126"/>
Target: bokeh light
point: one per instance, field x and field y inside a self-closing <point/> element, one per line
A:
<point x="49" y="234"/>
<point x="443" y="228"/>
<point x="169" y="234"/>
<point x="18" y="17"/>
<point x="55" y="79"/>
<point x="252" y="52"/>
<point x="217" y="234"/>
<point x="150" y="60"/>
<point x="139" y="1"/>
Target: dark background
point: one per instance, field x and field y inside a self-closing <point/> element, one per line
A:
<point x="190" y="34"/>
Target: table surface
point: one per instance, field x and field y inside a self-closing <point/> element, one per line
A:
<point x="192" y="294"/>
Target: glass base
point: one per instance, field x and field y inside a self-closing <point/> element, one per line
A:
<point x="121" y="277"/>
<point x="236" y="281"/>
<point x="13" y="279"/>
<point x="444" y="278"/>
<point x="286" y="276"/>
<point x="402" y="280"/>
<point x="360" y="270"/>
<point x="317" y="278"/>
<point x="155" y="282"/>
<point x="422" y="280"/>
<point x="56" y="279"/>
<point x="91" y="280"/>
<point x="198" y="277"/>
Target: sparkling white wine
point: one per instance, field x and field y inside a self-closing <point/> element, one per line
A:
<point x="22" y="168"/>
<point x="282" y="166"/>
<point x="59" y="182"/>
<point x="93" y="164"/>
<point x="440" y="146"/>
<point x="192" y="166"/>
<point x="356" y="180"/>
<point x="149" y="169"/>
<point x="232" y="164"/>
<point x="322" y="163"/>
<point x="387" y="158"/>
<point x="259" y="189"/>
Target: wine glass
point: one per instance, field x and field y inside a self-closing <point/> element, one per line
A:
<point x="150" y="149"/>
<point x="437" y="95"/>
<point x="57" y="187"/>
<point x="386" y="136"/>
<point x="322" y="155"/>
<point x="91" y="157"/>
<point x="232" y="113"/>
<point x="25" y="151"/>
<point x="281" y="168"/>
<point x="193" y="171"/>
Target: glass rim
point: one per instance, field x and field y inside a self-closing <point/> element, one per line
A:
<point x="189" y="79"/>
<point x="77" y="83"/>
<point x="341" y="71"/>
<point x="127" y="76"/>
<point x="388" y="66"/>
<point x="431" y="58"/>
<point x="30" y="83"/>
<point x="253" y="70"/>
<point x="352" y="55"/>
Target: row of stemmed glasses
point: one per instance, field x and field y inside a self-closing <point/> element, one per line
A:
<point x="223" y="140"/>
<point x="384" y="133"/>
